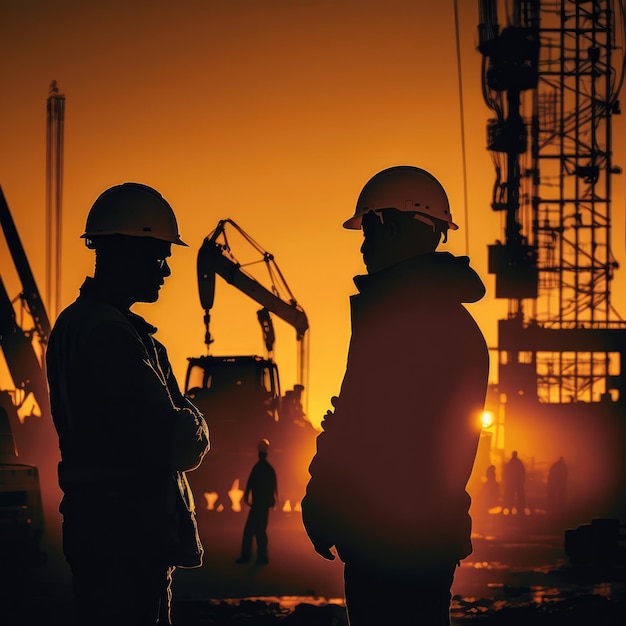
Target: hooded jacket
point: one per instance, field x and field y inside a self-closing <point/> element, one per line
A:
<point x="126" y="435"/>
<point x="388" y="479"/>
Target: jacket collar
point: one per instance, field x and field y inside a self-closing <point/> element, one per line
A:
<point x="95" y="290"/>
<point x="438" y="275"/>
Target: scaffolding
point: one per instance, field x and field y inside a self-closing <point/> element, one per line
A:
<point x="552" y="82"/>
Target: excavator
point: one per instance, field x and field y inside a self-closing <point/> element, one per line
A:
<point x="28" y="491"/>
<point x="241" y="396"/>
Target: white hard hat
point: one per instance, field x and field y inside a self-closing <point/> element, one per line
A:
<point x="132" y="209"/>
<point x="405" y="188"/>
<point x="264" y="445"/>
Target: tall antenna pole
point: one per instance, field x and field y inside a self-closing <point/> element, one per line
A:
<point x="54" y="195"/>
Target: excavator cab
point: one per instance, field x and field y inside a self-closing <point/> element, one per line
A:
<point x="240" y="399"/>
<point x="247" y="386"/>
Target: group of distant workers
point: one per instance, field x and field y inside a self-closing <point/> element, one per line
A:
<point x="513" y="499"/>
<point x="405" y="423"/>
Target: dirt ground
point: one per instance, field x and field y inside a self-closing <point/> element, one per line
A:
<point x="518" y="574"/>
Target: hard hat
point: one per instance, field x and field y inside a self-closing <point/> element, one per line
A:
<point x="132" y="209"/>
<point x="405" y="188"/>
<point x="264" y="445"/>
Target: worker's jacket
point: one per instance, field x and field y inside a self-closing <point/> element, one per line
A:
<point x="262" y="485"/>
<point x="126" y="435"/>
<point x="388" y="480"/>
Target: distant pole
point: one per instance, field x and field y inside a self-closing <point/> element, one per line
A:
<point x="54" y="195"/>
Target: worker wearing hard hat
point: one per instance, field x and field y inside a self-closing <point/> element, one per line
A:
<point x="260" y="495"/>
<point x="387" y="485"/>
<point x="126" y="433"/>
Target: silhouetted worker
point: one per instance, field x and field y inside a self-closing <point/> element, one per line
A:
<point x="557" y="487"/>
<point x="260" y="495"/>
<point x="387" y="485"/>
<point x="489" y="495"/>
<point x="126" y="433"/>
<point x="514" y="485"/>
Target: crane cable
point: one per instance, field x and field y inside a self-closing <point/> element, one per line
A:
<point x="279" y="285"/>
<point x="462" y="121"/>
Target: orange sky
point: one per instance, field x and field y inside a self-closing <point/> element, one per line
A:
<point x="273" y="113"/>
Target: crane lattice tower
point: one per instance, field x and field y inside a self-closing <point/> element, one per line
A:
<point x="551" y="76"/>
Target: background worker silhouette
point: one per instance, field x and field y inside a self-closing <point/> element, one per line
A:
<point x="556" y="487"/>
<point x="126" y="433"/>
<point x="489" y="495"/>
<point x="514" y="477"/>
<point x="260" y="495"/>
<point x="387" y="484"/>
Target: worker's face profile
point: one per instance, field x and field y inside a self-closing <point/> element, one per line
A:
<point x="373" y="247"/>
<point x="149" y="268"/>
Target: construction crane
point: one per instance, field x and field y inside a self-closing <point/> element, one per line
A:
<point x="215" y="258"/>
<point x="241" y="395"/>
<point x="28" y="458"/>
<point x="551" y="77"/>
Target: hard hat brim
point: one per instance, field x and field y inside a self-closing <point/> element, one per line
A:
<point x="354" y="223"/>
<point x="177" y="241"/>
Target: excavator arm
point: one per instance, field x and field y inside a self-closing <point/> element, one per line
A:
<point x="215" y="258"/>
<point x="24" y="365"/>
<point x="212" y="260"/>
<point x="21" y="359"/>
<point x="29" y="441"/>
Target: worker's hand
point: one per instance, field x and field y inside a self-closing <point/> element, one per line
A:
<point x="324" y="551"/>
<point x="317" y="527"/>
<point x="190" y="440"/>
<point x="330" y="413"/>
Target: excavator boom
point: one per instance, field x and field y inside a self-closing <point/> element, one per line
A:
<point x="212" y="260"/>
<point x="29" y="490"/>
<point x="30" y="293"/>
<point x="24" y="365"/>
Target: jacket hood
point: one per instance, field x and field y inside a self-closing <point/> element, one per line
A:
<point x="440" y="275"/>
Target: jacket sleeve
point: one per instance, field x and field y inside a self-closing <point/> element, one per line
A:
<point x="132" y="411"/>
<point x="190" y="435"/>
<point x="315" y="505"/>
<point x="190" y="440"/>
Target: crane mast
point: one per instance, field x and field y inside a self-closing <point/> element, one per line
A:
<point x="551" y="79"/>
<point x="55" y="108"/>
